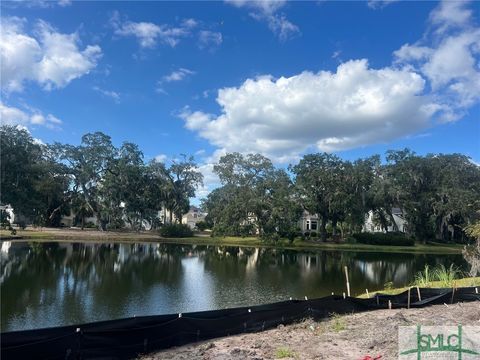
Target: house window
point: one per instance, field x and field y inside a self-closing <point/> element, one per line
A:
<point x="313" y="225"/>
<point x="194" y="215"/>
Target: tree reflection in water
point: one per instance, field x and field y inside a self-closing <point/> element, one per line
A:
<point x="50" y="284"/>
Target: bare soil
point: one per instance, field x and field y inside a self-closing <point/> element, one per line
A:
<point x="353" y="336"/>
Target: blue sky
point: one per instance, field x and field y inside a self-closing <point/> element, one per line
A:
<point x="280" y="78"/>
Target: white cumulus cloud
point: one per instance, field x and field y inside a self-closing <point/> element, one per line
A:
<point x="48" y="57"/>
<point x="448" y="57"/>
<point x="14" y="116"/>
<point x="283" y="117"/>
<point x="433" y="80"/>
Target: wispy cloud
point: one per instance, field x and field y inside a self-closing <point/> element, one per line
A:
<point x="209" y="39"/>
<point x="115" y="96"/>
<point x="268" y="11"/>
<point x="177" y="75"/>
<point x="379" y="4"/>
<point x="149" y="34"/>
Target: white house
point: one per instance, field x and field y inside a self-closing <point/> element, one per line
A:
<point x="9" y="210"/>
<point x="371" y="225"/>
<point x="308" y="222"/>
<point x="193" y="216"/>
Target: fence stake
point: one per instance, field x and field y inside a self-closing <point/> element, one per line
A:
<point x="476" y="290"/>
<point x="378" y="300"/>
<point x="419" y="296"/>
<point x="368" y="295"/>
<point x="306" y="298"/>
<point x="389" y="304"/>
<point x="348" y="283"/>
<point x="408" y="301"/>
<point x="344" y="295"/>
<point x="453" y="293"/>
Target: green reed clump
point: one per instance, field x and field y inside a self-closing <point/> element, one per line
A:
<point x="445" y="276"/>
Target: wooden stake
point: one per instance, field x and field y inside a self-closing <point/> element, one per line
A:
<point x="476" y="290"/>
<point x="419" y="296"/>
<point x="348" y="283"/>
<point x="408" y="301"/>
<point x="344" y="295"/>
<point x="368" y="295"/>
<point x="453" y="293"/>
<point x="389" y="304"/>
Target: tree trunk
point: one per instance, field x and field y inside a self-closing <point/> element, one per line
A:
<point x="323" y="229"/>
<point x="83" y="222"/>
<point x="392" y="219"/>
<point x="334" y="227"/>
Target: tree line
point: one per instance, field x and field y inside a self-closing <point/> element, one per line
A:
<point x="113" y="184"/>
<point x="439" y="194"/>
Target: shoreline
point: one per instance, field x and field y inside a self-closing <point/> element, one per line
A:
<point x="88" y="235"/>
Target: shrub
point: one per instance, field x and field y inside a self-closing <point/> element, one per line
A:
<point x="313" y="234"/>
<point x="176" y="230"/>
<point x="394" y="239"/>
<point x="446" y="276"/>
<point x="201" y="225"/>
<point x="90" y="225"/>
<point x="350" y="240"/>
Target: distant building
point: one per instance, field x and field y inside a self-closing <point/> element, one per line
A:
<point x="308" y="222"/>
<point x="372" y="226"/>
<point x="69" y="220"/>
<point x="193" y="216"/>
<point x="9" y="210"/>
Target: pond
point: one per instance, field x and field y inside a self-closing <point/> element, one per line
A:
<point x="52" y="284"/>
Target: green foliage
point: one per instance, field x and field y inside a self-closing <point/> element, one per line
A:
<point x="337" y="322"/>
<point x="284" y="352"/>
<point x="5" y="222"/>
<point x="472" y="253"/>
<point x="439" y="194"/>
<point x="393" y="239"/>
<point x="202" y="226"/>
<point x="255" y="199"/>
<point x="444" y="276"/>
<point x="176" y="231"/>
<point x="447" y="276"/>
<point x="388" y="285"/>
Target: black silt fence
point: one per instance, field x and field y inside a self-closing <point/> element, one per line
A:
<point x="127" y="338"/>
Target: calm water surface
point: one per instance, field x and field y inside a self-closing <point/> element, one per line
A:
<point x="52" y="284"/>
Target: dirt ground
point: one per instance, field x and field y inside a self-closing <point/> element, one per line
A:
<point x="353" y="336"/>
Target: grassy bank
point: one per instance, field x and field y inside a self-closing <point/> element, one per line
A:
<point x="465" y="282"/>
<point x="95" y="235"/>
